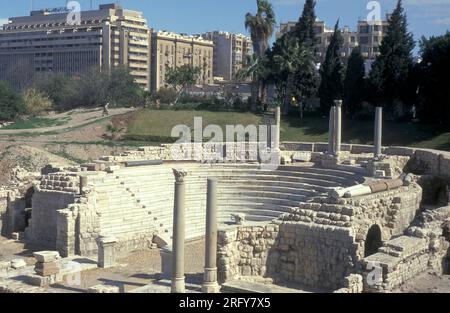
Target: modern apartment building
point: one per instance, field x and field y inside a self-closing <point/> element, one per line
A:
<point x="368" y="37"/>
<point x="46" y="41"/>
<point x="171" y="50"/>
<point x="230" y="53"/>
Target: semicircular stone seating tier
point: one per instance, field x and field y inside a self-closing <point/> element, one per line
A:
<point x="140" y="200"/>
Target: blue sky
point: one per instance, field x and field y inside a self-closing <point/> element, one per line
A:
<point x="426" y="17"/>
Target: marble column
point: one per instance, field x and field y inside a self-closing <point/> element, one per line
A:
<point x="331" y="130"/>
<point x="178" y="279"/>
<point x="210" y="284"/>
<point x="338" y="127"/>
<point x="378" y="132"/>
<point x="278" y="125"/>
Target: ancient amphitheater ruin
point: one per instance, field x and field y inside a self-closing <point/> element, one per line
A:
<point x="331" y="217"/>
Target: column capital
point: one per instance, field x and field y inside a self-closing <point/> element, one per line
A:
<point x="180" y="174"/>
<point x="338" y="103"/>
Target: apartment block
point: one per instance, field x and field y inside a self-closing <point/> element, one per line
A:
<point x="46" y="41"/>
<point x="170" y="50"/>
<point x="368" y="37"/>
<point x="230" y="53"/>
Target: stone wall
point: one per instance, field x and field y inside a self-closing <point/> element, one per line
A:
<point x="317" y="244"/>
<point x="3" y="213"/>
<point x="190" y="152"/>
<point x="43" y="224"/>
<point x="423" y="161"/>
<point x="402" y="259"/>
<point x="247" y="251"/>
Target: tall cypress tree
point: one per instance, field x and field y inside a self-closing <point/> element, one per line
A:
<point x="304" y="29"/>
<point x="354" y="83"/>
<point x="390" y="70"/>
<point x="331" y="72"/>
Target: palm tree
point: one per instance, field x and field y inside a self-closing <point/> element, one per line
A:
<point x="291" y="59"/>
<point x="261" y="27"/>
<point x="257" y="70"/>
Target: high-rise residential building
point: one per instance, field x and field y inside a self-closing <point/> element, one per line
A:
<point x="368" y="37"/>
<point x="230" y="53"/>
<point x="46" y="41"/>
<point x="171" y="50"/>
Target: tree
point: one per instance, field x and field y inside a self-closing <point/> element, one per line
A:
<point x="261" y="27"/>
<point x="257" y="69"/>
<point x="435" y="81"/>
<point x="36" y="102"/>
<point x="331" y="72"/>
<point x="122" y="89"/>
<point x="11" y="102"/>
<point x="390" y="71"/>
<point x="304" y="29"/>
<point x="181" y="77"/>
<point x="91" y="88"/>
<point x="58" y="87"/>
<point x="291" y="59"/>
<point x="354" y="83"/>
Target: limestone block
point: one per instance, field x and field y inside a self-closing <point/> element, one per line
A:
<point x="361" y="191"/>
<point x="379" y="174"/>
<point x="47" y="269"/>
<point x="103" y="289"/>
<point x="106" y="252"/>
<point x="46" y="256"/>
<point x="38" y="281"/>
<point x="18" y="263"/>
<point x="301" y="157"/>
<point x="166" y="254"/>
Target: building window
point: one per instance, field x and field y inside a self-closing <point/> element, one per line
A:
<point x="364" y="29"/>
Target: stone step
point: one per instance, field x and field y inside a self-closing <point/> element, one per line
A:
<point x="240" y="286"/>
<point x="404" y="246"/>
<point x="150" y="177"/>
<point x="237" y="193"/>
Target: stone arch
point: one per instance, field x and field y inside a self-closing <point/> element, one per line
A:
<point x="374" y="240"/>
<point x="28" y="197"/>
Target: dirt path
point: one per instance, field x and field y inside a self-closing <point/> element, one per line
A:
<point x="78" y="118"/>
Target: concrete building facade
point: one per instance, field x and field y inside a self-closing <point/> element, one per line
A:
<point x="230" y="53"/>
<point x="46" y="42"/>
<point x="171" y="50"/>
<point x="368" y="37"/>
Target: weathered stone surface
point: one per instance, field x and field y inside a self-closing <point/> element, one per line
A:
<point x="46" y="256"/>
<point x="18" y="263"/>
<point x="103" y="289"/>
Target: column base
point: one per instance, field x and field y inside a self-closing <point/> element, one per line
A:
<point x="178" y="285"/>
<point x="210" y="287"/>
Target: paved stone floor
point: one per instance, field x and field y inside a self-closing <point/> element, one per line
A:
<point x="140" y="269"/>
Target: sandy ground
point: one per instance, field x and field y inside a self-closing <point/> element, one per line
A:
<point x="144" y="267"/>
<point x="69" y="146"/>
<point x="75" y="118"/>
<point x="427" y="282"/>
<point x="10" y="250"/>
<point x="139" y="269"/>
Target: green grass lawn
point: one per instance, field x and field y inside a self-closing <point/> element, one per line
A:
<point x="156" y="126"/>
<point x="37" y="122"/>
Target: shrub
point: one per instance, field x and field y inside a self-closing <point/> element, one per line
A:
<point x="11" y="102"/>
<point x="166" y="95"/>
<point x="36" y="102"/>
